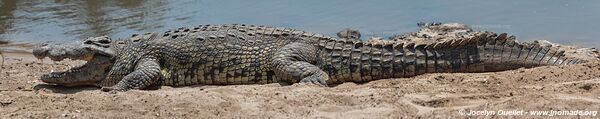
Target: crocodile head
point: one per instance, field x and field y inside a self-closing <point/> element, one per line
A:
<point x="97" y="51"/>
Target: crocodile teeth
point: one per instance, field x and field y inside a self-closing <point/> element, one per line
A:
<point x="51" y="68"/>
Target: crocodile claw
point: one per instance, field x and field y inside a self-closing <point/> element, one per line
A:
<point x="112" y="89"/>
<point x="316" y="81"/>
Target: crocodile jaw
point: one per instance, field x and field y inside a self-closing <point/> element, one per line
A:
<point x="94" y="70"/>
<point x="86" y="74"/>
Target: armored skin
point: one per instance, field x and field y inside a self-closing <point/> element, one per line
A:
<point x="249" y="54"/>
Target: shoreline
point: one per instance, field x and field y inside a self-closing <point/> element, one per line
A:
<point x="17" y="47"/>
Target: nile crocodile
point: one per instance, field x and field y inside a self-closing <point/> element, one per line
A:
<point x="349" y="34"/>
<point x="249" y="54"/>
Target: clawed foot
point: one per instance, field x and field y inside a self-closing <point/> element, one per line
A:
<point x="113" y="89"/>
<point x="316" y="81"/>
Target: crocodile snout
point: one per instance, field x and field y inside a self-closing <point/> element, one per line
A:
<point x="60" y="52"/>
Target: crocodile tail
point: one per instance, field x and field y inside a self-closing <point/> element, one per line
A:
<point x="478" y="52"/>
<point x="487" y="51"/>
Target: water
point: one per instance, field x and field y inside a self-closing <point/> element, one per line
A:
<point x="32" y="21"/>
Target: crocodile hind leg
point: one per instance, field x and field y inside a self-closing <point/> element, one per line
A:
<point x="293" y="63"/>
<point x="146" y="73"/>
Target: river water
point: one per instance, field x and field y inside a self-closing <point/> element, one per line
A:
<point x="572" y="22"/>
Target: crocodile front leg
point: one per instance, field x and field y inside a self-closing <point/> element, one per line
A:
<point x="146" y="73"/>
<point x="293" y="63"/>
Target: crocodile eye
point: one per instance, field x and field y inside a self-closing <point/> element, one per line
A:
<point x="104" y="41"/>
<point x="87" y="42"/>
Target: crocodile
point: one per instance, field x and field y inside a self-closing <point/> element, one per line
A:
<point x="349" y="33"/>
<point x="428" y="33"/>
<point x="232" y="54"/>
<point x="434" y="32"/>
